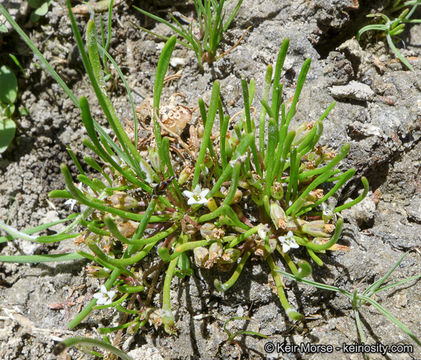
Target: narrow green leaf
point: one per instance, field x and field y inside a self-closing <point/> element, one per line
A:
<point x="264" y="100"/>
<point x="295" y="207"/>
<point x="397" y="53"/>
<point x="357" y="200"/>
<point x="374" y="287"/>
<point x="28" y="259"/>
<point x="164" y="61"/>
<point x="213" y="108"/>
<point x="98" y="343"/>
<point x="112" y="227"/>
<point x="298" y="88"/>
<point x="392" y="318"/>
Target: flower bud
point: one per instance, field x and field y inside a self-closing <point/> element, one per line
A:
<point x="277" y="191"/>
<point x="146" y="168"/>
<point x="189" y="229"/>
<point x="315" y="195"/>
<point x="200" y="131"/>
<point x="230" y="256"/>
<point x="185" y="175"/>
<point x="278" y="216"/>
<point x="228" y="148"/>
<point x="127" y="228"/>
<point x="301" y="132"/>
<point x="212" y="205"/>
<point x="121" y="200"/>
<point x="237" y="196"/>
<point x="243" y="184"/>
<point x="215" y="253"/>
<point x="232" y="141"/>
<point x="272" y="245"/>
<point x="154" y="158"/>
<point x="210" y="231"/>
<point x="201" y="256"/>
<point x="318" y="228"/>
<point x="97" y="271"/>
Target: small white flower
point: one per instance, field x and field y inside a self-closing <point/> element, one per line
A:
<point x="197" y="196"/>
<point x="288" y="242"/>
<point x="72" y="202"/>
<point x="263" y="231"/>
<point x="104" y="297"/>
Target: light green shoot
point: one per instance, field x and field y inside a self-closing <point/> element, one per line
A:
<point x="394" y="27"/>
<point x="203" y="37"/>
<point x="358" y="299"/>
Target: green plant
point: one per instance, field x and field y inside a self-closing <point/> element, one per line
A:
<point x="395" y="27"/>
<point x="8" y="94"/>
<point x="205" y="36"/>
<point x="40" y="9"/>
<point x="233" y="196"/>
<point x="232" y="336"/>
<point x="359" y="299"/>
<point x="90" y="343"/>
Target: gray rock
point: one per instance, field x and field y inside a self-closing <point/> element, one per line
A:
<point x="414" y="210"/>
<point x="354" y="91"/>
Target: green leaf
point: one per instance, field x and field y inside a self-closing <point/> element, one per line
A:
<point x="40" y="258"/>
<point x="9" y="86"/>
<point x="7" y="133"/>
<point x="9" y="111"/>
<point x="164" y="61"/>
<point x="42" y="10"/>
<point x="213" y="107"/>
<point x="16" y="61"/>
<point x="397" y="53"/>
<point x="98" y="343"/>
<point x="34" y="17"/>
<point x="13" y="233"/>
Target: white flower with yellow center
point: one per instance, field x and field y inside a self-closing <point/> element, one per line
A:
<point x="197" y="196"/>
<point x="104" y="297"/>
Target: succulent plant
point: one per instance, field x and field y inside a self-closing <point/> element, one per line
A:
<point x="249" y="195"/>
